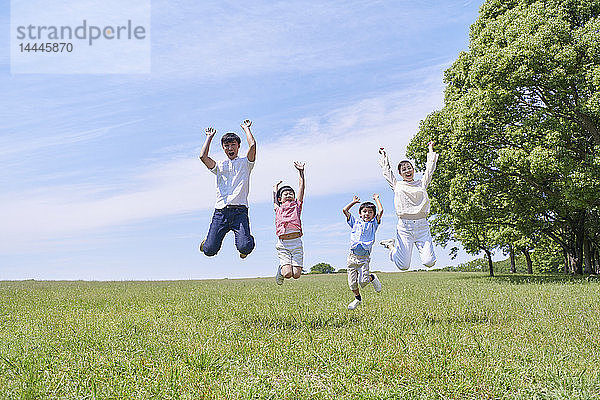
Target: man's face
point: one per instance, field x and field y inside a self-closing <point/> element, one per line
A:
<point x="407" y="172"/>
<point x="231" y="149"/>
<point x="287" y="195"/>
<point x="367" y="214"/>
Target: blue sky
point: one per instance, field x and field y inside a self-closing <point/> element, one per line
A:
<point x="100" y="177"/>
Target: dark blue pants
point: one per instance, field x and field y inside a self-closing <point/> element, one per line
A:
<point x="229" y="219"/>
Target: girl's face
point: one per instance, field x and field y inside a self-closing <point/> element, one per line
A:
<point x="287" y="195"/>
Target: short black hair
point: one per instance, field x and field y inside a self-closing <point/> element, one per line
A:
<point x="230" y="137"/>
<point x="283" y="189"/>
<point x="403" y="162"/>
<point x="368" y="204"/>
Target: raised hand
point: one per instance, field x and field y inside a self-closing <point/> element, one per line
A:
<point x="299" y="166"/>
<point x="355" y="199"/>
<point x="210" y="131"/>
<point x="382" y="151"/>
<point x="375" y="197"/>
<point x="246" y="124"/>
<point x="430" y="144"/>
<point x="276" y="186"/>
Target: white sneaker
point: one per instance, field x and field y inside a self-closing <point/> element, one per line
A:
<point x="388" y="243"/>
<point x="376" y="283"/>
<point x="279" y="276"/>
<point x="354" y="304"/>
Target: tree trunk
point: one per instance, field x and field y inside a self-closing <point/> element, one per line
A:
<point x="567" y="263"/>
<point x="595" y="260"/>
<point x="527" y="260"/>
<point x="578" y="256"/>
<point x="513" y="266"/>
<point x="490" y="263"/>
<point x="587" y="257"/>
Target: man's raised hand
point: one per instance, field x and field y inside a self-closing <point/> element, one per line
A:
<point x="299" y="166"/>
<point x="246" y="124"/>
<point x="210" y="131"/>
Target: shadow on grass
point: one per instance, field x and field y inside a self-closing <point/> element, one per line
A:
<point x="519" y="279"/>
<point x="291" y="323"/>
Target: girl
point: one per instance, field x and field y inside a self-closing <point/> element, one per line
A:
<point x="288" y="228"/>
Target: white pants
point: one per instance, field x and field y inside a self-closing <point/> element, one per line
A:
<point x="290" y="252"/>
<point x="358" y="271"/>
<point x="411" y="233"/>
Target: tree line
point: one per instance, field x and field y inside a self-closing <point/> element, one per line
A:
<point x="519" y="136"/>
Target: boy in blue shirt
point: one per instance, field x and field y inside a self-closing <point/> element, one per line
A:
<point x="362" y="238"/>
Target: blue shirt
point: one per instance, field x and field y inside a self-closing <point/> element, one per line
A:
<point x="362" y="235"/>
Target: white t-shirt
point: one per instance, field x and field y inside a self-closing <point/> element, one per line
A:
<point x="233" y="181"/>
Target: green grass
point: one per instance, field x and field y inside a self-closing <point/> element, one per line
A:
<point x="426" y="336"/>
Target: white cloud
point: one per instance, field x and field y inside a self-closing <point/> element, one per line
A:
<point x="217" y="39"/>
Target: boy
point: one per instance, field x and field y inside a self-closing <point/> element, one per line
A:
<point x="412" y="206"/>
<point x="288" y="228"/>
<point x="362" y="238"/>
<point x="233" y="181"/>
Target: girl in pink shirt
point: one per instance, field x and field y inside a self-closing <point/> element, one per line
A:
<point x="288" y="228"/>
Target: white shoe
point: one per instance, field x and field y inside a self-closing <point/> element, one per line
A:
<point x="354" y="304"/>
<point x="388" y="243"/>
<point x="279" y="277"/>
<point x="376" y="283"/>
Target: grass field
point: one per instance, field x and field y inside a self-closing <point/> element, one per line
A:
<point x="425" y="336"/>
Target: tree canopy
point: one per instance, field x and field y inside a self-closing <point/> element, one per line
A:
<point x="519" y="132"/>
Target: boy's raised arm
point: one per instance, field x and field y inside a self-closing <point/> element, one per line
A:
<point x="346" y="210"/>
<point x="432" y="157"/>
<point x="209" y="162"/>
<point x="384" y="163"/>
<point x="379" y="207"/>
<point x="300" y="167"/>
<point x="251" y="141"/>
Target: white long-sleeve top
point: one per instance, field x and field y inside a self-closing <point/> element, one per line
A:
<point x="410" y="198"/>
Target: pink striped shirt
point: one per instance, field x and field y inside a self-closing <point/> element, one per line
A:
<point x="287" y="218"/>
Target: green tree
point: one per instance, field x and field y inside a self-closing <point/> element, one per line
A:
<point x="322" y="268"/>
<point x="519" y="133"/>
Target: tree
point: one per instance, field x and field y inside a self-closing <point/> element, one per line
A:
<point x="519" y="133"/>
<point x="322" y="268"/>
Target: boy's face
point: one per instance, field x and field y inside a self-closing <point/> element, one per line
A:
<point x="231" y="149"/>
<point x="407" y="172"/>
<point x="287" y="195"/>
<point x="367" y="214"/>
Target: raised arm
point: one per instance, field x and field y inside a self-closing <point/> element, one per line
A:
<point x="300" y="167"/>
<point x="384" y="163"/>
<point x="209" y="162"/>
<point x="379" y="207"/>
<point x="432" y="157"/>
<point x="275" y="190"/>
<point x="346" y="210"/>
<point x="251" y="142"/>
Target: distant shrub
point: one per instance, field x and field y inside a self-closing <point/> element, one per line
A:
<point x="322" y="268"/>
